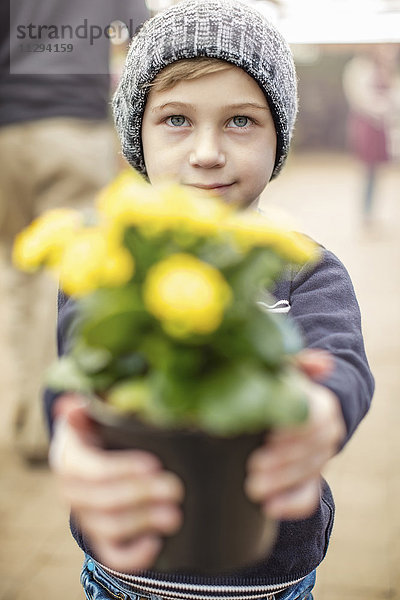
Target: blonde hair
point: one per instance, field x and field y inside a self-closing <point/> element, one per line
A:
<point x="187" y="69"/>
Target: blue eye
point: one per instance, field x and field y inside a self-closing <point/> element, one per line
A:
<point x="176" y="120"/>
<point x="241" y="121"/>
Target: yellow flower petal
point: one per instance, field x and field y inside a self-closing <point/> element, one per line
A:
<point x="44" y="240"/>
<point x="162" y="207"/>
<point x="91" y="261"/>
<point x="186" y="294"/>
<point x="251" y="229"/>
<point x="118" y="268"/>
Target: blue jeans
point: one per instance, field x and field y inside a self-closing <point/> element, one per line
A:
<point x="99" y="585"/>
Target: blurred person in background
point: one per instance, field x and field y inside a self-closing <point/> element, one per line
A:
<point x="57" y="149"/>
<point x="371" y="83"/>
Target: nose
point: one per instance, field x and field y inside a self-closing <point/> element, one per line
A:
<point x="207" y="151"/>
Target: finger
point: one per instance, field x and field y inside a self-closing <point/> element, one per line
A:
<point x="316" y="363"/>
<point x="73" y="409"/>
<point x="70" y="412"/>
<point x="125" y="493"/>
<point x="262" y="486"/>
<point x="73" y="456"/>
<point x="276" y="469"/>
<point x="325" y="421"/>
<point x="137" y="555"/>
<point x="124" y="526"/>
<point x="282" y="451"/>
<point x="296" y="503"/>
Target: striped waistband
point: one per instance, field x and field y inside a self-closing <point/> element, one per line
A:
<point x="147" y="587"/>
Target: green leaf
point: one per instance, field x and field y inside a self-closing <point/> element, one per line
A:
<point x="65" y="375"/>
<point x="103" y="381"/>
<point x="146" y="250"/>
<point x="174" y="399"/>
<point x="90" y="360"/>
<point x="234" y="400"/>
<point x="113" y="319"/>
<point x="292" y="337"/>
<point x="131" y="395"/>
<point x="260" y="335"/>
<point x="290" y="405"/>
<point x="264" y="335"/>
<point x="258" y="271"/>
<point x="128" y="365"/>
<point x="156" y="347"/>
<point x="222" y="255"/>
<point x="185" y="362"/>
<point x="244" y="398"/>
<point x="110" y="330"/>
<point x="228" y="346"/>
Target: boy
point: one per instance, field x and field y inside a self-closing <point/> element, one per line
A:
<point x="208" y="97"/>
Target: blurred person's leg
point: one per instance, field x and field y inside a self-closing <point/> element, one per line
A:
<point x="369" y="191"/>
<point x="46" y="164"/>
<point x="31" y="335"/>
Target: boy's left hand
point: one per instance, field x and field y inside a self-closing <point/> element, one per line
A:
<point x="284" y="474"/>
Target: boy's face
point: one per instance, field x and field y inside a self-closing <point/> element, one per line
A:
<point x="215" y="132"/>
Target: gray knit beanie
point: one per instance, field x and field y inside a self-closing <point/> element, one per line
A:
<point x="225" y="29"/>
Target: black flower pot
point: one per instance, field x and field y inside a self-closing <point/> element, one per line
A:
<point x="222" y="529"/>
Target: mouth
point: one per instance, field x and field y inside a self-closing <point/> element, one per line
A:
<point x="218" y="188"/>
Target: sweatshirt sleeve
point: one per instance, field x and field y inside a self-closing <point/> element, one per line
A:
<point x="66" y="316"/>
<point x="324" y="305"/>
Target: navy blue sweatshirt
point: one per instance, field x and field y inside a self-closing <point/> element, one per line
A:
<point x="323" y="304"/>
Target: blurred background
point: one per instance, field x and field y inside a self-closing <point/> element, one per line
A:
<point x="341" y="185"/>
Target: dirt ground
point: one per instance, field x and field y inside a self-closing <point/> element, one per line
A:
<point x="39" y="559"/>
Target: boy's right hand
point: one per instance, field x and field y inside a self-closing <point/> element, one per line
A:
<point x="122" y="500"/>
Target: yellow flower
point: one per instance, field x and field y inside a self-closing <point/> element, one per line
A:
<point x="44" y="240"/>
<point x="93" y="260"/>
<point x="251" y="229"/>
<point x="125" y="181"/>
<point x="129" y="200"/>
<point x="187" y="295"/>
<point x="297" y="247"/>
<point x="190" y="209"/>
<point x="161" y="207"/>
